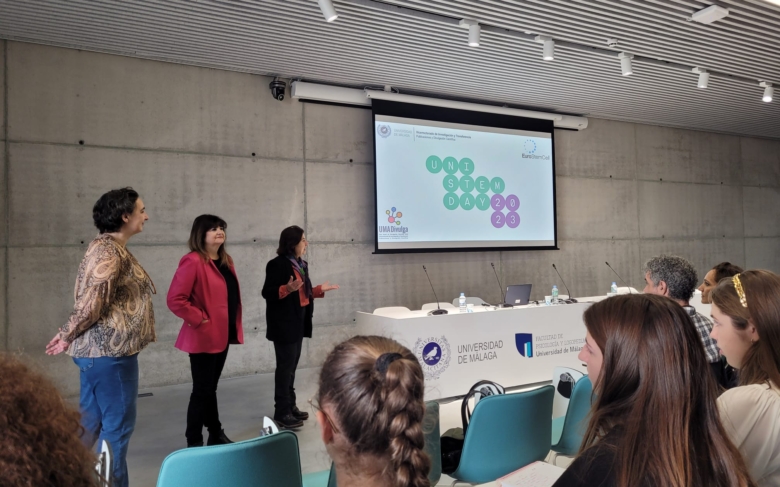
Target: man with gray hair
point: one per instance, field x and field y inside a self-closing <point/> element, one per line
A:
<point x="675" y="277"/>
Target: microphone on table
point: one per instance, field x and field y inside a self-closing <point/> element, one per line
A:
<point x="500" y="290"/>
<point x="571" y="299"/>
<point x="437" y="311"/>
<point x="621" y="279"/>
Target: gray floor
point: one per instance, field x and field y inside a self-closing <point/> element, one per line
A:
<point x="243" y="402"/>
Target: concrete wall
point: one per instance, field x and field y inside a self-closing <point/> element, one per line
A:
<point x="195" y="140"/>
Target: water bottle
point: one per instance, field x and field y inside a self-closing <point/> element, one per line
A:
<point x="613" y="289"/>
<point x="462" y="302"/>
<point x="555" y="294"/>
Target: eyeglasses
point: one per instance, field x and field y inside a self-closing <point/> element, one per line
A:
<point x="315" y="407"/>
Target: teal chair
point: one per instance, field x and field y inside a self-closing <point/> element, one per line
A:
<point x="506" y="432"/>
<point x="432" y="432"/>
<point x="268" y="461"/>
<point x="567" y="431"/>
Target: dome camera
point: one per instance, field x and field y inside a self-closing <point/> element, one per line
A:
<point x="277" y="89"/>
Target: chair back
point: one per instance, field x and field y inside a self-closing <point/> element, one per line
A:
<point x="392" y="311"/>
<point x="260" y="462"/>
<point x="576" y="419"/>
<point x="105" y="464"/>
<point x="506" y="433"/>
<point x="432" y="431"/>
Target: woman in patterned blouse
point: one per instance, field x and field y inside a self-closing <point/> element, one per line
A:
<point x="111" y="322"/>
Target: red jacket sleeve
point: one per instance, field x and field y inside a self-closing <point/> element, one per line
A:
<point x="180" y="292"/>
<point x="317" y="292"/>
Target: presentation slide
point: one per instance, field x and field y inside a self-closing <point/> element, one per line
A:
<point x="442" y="185"/>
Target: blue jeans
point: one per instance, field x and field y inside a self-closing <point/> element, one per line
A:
<point x="109" y="390"/>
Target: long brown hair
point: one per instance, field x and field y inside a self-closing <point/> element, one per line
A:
<point x="197" y="241"/>
<point x="656" y="386"/>
<point x="40" y="432"/>
<point x="379" y="412"/>
<point x="762" y="294"/>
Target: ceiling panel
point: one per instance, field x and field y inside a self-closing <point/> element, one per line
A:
<point x="417" y="47"/>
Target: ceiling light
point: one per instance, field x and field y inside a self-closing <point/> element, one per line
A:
<point x="625" y="63"/>
<point x="328" y="10"/>
<point x="474" y="31"/>
<point x="548" y="49"/>
<point x="710" y="14"/>
<point x="704" y="77"/>
<point x="768" y="91"/>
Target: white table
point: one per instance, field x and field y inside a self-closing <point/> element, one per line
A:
<point x="457" y="350"/>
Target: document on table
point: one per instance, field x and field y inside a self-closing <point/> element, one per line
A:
<point x="537" y="474"/>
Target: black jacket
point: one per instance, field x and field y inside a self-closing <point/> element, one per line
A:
<point x="287" y="322"/>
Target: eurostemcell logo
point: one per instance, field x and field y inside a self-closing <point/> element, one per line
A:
<point x="529" y="151"/>
<point x="524" y="344"/>
<point x="383" y="130"/>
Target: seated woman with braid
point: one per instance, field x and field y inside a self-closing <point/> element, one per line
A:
<point x="370" y="411"/>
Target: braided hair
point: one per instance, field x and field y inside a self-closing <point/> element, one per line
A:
<point x="373" y="387"/>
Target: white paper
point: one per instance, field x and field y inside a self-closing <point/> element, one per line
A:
<point x="537" y="474"/>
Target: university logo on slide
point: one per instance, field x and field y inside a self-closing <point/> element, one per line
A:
<point x="393" y="216"/>
<point x="433" y="354"/>
<point x="383" y="130"/>
<point x="524" y="343"/>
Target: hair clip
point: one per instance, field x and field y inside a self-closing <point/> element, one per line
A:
<point x="384" y="361"/>
<point x="740" y="291"/>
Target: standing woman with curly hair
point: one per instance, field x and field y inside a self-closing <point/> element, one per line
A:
<point x="746" y="311"/>
<point x="111" y="322"/>
<point x="370" y="411"/>
<point x="39" y="433"/>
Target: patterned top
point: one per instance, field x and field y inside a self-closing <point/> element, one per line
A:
<point x="113" y="315"/>
<point x="704" y="327"/>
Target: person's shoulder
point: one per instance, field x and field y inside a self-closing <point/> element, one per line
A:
<point x="192" y="257"/>
<point x="278" y="261"/>
<point x="700" y="317"/>
<point x="595" y="467"/>
<point x="750" y="397"/>
<point x="106" y="247"/>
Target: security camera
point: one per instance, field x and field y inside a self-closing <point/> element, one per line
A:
<point x="277" y="89"/>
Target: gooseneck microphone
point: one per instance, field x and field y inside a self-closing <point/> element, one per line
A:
<point x="571" y="299"/>
<point x="437" y="311"/>
<point x="500" y="290"/>
<point x="621" y="279"/>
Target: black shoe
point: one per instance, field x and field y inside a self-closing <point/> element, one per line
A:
<point x="194" y="445"/>
<point x="218" y="439"/>
<point x="302" y="415"/>
<point x="288" y="421"/>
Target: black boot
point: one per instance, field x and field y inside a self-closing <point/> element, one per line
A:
<point x="288" y="421"/>
<point x="218" y="439"/>
<point x="302" y="415"/>
<point x="194" y="445"/>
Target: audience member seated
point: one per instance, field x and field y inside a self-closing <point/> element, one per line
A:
<point x="714" y="276"/>
<point x="654" y="419"/>
<point x="370" y="410"/>
<point x="39" y="433"/>
<point x="675" y="277"/>
<point x="746" y="310"/>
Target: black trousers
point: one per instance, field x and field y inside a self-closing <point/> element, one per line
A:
<point x="287" y="357"/>
<point x="203" y="411"/>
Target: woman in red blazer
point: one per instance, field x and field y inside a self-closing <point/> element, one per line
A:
<point x="205" y="294"/>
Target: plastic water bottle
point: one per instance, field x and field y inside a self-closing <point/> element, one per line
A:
<point x="613" y="289"/>
<point x="462" y="302"/>
<point x="555" y="294"/>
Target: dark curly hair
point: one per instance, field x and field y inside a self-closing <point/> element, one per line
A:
<point x="111" y="207"/>
<point x="678" y="274"/>
<point x="40" y="443"/>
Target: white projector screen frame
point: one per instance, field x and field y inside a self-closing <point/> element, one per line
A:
<point x="468" y="120"/>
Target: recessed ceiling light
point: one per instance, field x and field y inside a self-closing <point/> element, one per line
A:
<point x="710" y="14"/>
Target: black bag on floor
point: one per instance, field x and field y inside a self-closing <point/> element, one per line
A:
<point x="452" y="439"/>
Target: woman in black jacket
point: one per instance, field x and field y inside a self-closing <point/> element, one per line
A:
<point x="289" y="298"/>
